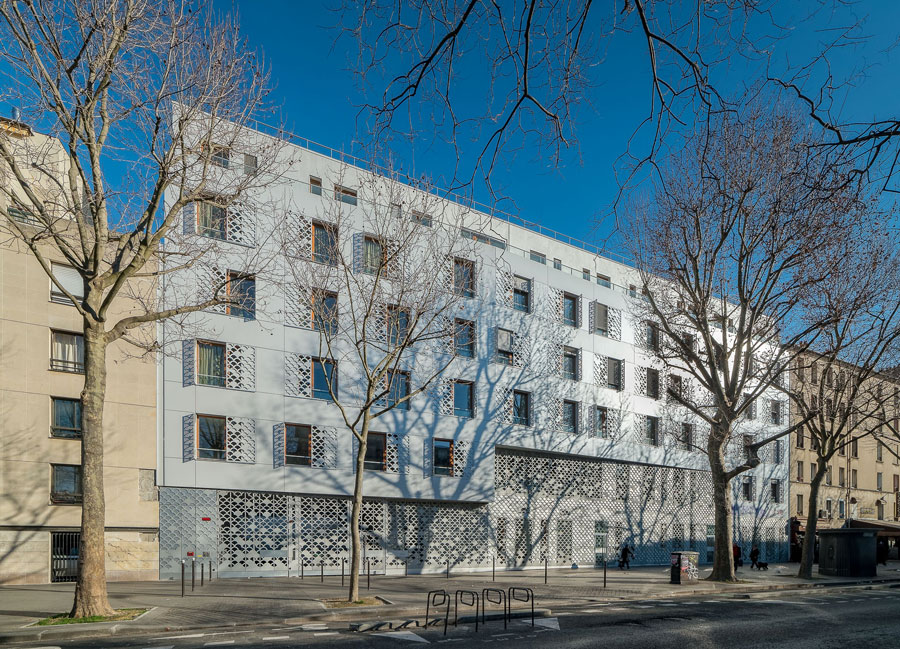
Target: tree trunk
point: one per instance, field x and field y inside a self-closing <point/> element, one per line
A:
<point x="808" y="552"/>
<point x="90" y="586"/>
<point x="723" y="561"/>
<point x="355" y="545"/>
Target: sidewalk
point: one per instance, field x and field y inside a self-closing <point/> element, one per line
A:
<point x="236" y="602"/>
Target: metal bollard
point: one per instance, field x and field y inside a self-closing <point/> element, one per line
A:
<point x="202" y="573"/>
<point x="322" y="570"/>
<point x="368" y="574"/>
<point x="604" y="570"/>
<point x="182" y="577"/>
<point x="448" y="568"/>
<point x="193" y="572"/>
<point x="342" y="572"/>
<point x="493" y="568"/>
<point x="546" y="559"/>
<point x="301" y="570"/>
<point x="406" y="567"/>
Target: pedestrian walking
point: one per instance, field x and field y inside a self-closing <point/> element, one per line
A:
<point x="736" y="552"/>
<point x="625" y="557"/>
<point x="754" y="557"/>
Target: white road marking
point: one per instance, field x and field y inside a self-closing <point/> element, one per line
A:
<point x="643" y="606"/>
<point x="327" y="633"/>
<point x="690" y="603"/>
<point x="171" y="646"/>
<point x="668" y="604"/>
<point x="176" y="637"/>
<point x="277" y="637"/>
<point x="595" y="610"/>
<point x="317" y="626"/>
<point x="403" y="635"/>
<point x="218" y="643"/>
<point x="548" y="623"/>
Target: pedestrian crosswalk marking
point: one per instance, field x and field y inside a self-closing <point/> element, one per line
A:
<point x="403" y="635"/>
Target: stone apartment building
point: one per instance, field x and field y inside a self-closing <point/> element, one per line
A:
<point x="41" y="377"/>
<point x="862" y="482"/>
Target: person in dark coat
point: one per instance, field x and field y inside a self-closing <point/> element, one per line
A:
<point x="754" y="557"/>
<point x="736" y="552"/>
<point x="625" y="557"/>
<point x="881" y="551"/>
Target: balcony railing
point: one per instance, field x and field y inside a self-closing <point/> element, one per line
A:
<point x="59" y="365"/>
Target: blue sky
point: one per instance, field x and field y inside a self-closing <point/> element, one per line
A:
<point x="318" y="97"/>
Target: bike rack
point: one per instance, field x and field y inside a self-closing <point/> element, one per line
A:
<point x="437" y="598"/>
<point x="487" y="595"/>
<point x="461" y="596"/>
<point x="521" y="594"/>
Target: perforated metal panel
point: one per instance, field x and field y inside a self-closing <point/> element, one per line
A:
<point x="240" y="367"/>
<point x="241" y="445"/>
<point x="188" y="362"/>
<point x="188" y="438"/>
<point x="297" y="375"/>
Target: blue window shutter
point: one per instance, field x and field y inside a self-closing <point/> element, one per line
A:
<point x="187" y="438"/>
<point x="189" y="218"/>
<point x="278" y="446"/>
<point x="188" y="363"/>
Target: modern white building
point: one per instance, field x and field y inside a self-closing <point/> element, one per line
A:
<point x="567" y="450"/>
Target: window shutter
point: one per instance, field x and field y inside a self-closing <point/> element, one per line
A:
<point x="278" y="446"/>
<point x="578" y="319"/>
<point x="189" y="218"/>
<point x="188" y="362"/>
<point x="188" y="439"/>
<point x="358" y="239"/>
<point x="601" y="317"/>
<point x="427" y="457"/>
<point x="578" y="364"/>
<point x="69" y="278"/>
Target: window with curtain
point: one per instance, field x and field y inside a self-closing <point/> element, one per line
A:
<point x="67" y="352"/>
<point x="211" y="437"/>
<point x="324" y="244"/>
<point x="211" y="364"/>
<point x="212" y="220"/>
<point x="66" y="418"/>
<point x="373" y="255"/>
<point x="70" y="280"/>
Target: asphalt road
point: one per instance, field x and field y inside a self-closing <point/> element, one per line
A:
<point x="822" y="620"/>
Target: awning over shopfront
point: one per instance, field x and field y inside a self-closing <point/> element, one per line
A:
<point x="885" y="528"/>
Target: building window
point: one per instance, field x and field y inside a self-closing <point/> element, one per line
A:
<point x="65" y="483"/>
<point x="748" y="442"/>
<point x="345" y="195"/>
<point x="652" y="332"/>
<point x="324" y="243"/>
<point x="463" y="399"/>
<point x="775" y="406"/>
<point x="464" y="277"/>
<point x="219" y="156"/>
<point x="70" y="280"/>
<point x="651" y="434"/>
<point x="315" y="185"/>
<point x="601" y="319"/>
<point x="842" y="477"/>
<point x="250" y="164"/>
<point x="586" y="274"/>
<point x="443" y="457"/>
<point x="676" y="385"/>
<point x="66" y="352"/>
<point x="841" y="509"/>
<point x="373" y="256"/>
<point x="601" y="421"/>
<point x="398" y="389"/>
<point x="814" y="373"/>
<point x="241" y="295"/>
<point x="211" y="437"/>
<point x="854" y="447"/>
<point x="298" y="444"/>
<point x="652" y="383"/>
<point x="879" y="481"/>
<point x="603" y="280"/>
<point x="827" y="512"/>
<point x="539" y="257"/>
<point x="464" y="338"/>
<point x="614" y="374"/>
<point x="505" y="353"/>
<point x="323" y="374"/>
<point x="325" y="312"/>
<point x="879" y="452"/>
<point x="800" y="439"/>
<point x="799" y="503"/>
<point x="687" y="436"/>
<point x="66" y="418"/>
<point x="570" y="363"/>
<point x="569" y="422"/>
<point x="212" y="220"/>
<point x="422" y="219"/>
<point x="210" y="363"/>
<point x="376" y="452"/>
<point x="775" y="490"/>
<point x="521" y="408"/>
<point x="397" y="324"/>
<point x="570" y="310"/>
<point x="521" y="294"/>
<point x="853" y="478"/>
<point x="24" y="216"/>
<point x="828" y="475"/>
<point x="747" y="488"/>
<point x="799" y="471"/>
<point x="557" y="264"/>
<point x="779" y="453"/>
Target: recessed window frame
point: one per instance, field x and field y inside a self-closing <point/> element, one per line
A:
<point x="375" y="460"/>
<point x="327" y="234"/>
<point x="505" y="356"/>
<point x="521" y="401"/>
<point x="569" y="302"/>
<point x="211" y="452"/>
<point x="60" y="496"/>
<point x="601" y="421"/>
<point x="212" y="379"/>
<point x="398" y="382"/>
<point x="440" y="465"/>
<point x="244" y="305"/>
<point x="569" y="419"/>
<point x="345" y="195"/>
<point x="315" y="185"/>
<point x="464" y="279"/>
<point x="469" y="386"/>
<point x="325" y="367"/>
<point x="521" y="298"/>
<point x="300" y="432"/>
<point x="75" y="366"/>
<point x="65" y="432"/>
<point x="324" y="312"/>
<point x="570" y="359"/>
<point x="464" y="338"/>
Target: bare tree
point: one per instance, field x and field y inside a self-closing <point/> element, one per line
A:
<point x="143" y="104"/>
<point x="837" y="388"/>
<point x="392" y="289"/>
<point x="742" y="228"/>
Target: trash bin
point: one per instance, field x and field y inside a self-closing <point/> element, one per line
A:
<point x="684" y="567"/>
